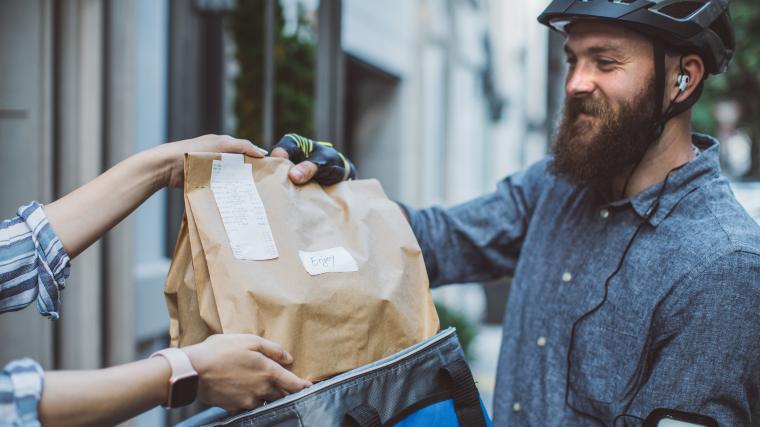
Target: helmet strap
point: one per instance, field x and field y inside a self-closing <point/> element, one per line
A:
<point x="661" y="118"/>
<point x="659" y="89"/>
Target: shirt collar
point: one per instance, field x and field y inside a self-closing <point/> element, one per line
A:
<point x="683" y="181"/>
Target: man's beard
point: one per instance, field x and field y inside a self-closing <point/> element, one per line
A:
<point x="594" y="150"/>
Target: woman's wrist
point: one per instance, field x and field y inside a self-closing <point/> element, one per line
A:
<point x="156" y="165"/>
<point x="163" y="372"/>
<point x="195" y="353"/>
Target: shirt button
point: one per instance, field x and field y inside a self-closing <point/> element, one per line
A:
<point x="604" y="213"/>
<point x="541" y="341"/>
<point x="516" y="406"/>
<point x="567" y="277"/>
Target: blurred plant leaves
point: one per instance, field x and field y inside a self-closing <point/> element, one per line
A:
<point x="467" y="331"/>
<point x="741" y="82"/>
<point x="294" y="73"/>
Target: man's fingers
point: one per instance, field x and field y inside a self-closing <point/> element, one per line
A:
<point x="300" y="173"/>
<point x="303" y="172"/>
<point x="273" y="351"/>
<point x="288" y="381"/>
<point x="279" y="152"/>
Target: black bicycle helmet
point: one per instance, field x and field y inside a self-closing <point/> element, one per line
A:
<point x="701" y="26"/>
<point x="697" y="26"/>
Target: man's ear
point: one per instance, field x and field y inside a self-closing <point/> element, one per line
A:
<point x="686" y="77"/>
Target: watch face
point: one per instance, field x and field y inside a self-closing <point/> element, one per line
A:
<point x="183" y="391"/>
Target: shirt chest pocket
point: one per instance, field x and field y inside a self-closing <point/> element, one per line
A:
<point x="605" y="358"/>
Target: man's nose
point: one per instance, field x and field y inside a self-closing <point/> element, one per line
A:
<point x="580" y="82"/>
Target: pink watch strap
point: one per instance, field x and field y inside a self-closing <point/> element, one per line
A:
<point x="179" y="362"/>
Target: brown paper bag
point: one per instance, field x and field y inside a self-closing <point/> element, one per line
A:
<point x="189" y="297"/>
<point x="185" y="324"/>
<point x="331" y="322"/>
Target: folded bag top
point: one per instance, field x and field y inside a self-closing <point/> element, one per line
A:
<point x="309" y="298"/>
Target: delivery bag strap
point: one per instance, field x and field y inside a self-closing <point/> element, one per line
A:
<point x="364" y="415"/>
<point x="458" y="379"/>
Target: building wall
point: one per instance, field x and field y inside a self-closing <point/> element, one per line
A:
<point x="78" y="138"/>
<point x="26" y="143"/>
<point x="447" y="149"/>
<point x="151" y="92"/>
<point x="83" y="86"/>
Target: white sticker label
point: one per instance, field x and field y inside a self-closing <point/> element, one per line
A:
<point x="243" y="214"/>
<point x="335" y="260"/>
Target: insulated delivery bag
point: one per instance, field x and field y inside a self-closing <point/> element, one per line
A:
<point x="425" y="385"/>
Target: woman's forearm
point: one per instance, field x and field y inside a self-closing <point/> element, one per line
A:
<point x="103" y="397"/>
<point x="235" y="372"/>
<point x="84" y="215"/>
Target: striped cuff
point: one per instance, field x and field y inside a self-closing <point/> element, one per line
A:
<point x="20" y="390"/>
<point x="53" y="261"/>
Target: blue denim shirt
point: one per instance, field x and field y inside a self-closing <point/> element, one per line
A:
<point x="679" y="329"/>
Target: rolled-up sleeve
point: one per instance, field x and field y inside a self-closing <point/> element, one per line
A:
<point x="480" y="239"/>
<point x="20" y="390"/>
<point x="33" y="263"/>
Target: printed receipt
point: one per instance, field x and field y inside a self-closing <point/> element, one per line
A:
<point x="243" y="214"/>
<point x="334" y="260"/>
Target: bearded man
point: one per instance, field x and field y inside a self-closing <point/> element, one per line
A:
<point x="636" y="274"/>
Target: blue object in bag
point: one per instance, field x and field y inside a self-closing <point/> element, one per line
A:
<point x="441" y="414"/>
<point x="427" y="384"/>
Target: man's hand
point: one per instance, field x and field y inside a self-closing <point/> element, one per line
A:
<point x="171" y="156"/>
<point x="314" y="160"/>
<point x="241" y="371"/>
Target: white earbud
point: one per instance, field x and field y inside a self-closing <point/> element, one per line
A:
<point x="683" y="81"/>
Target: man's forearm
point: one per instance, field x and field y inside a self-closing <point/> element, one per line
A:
<point x="84" y="215"/>
<point x="103" y="397"/>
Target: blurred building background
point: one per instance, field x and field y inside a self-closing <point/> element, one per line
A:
<point x="438" y="99"/>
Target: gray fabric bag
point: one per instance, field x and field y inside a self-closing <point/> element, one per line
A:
<point x="397" y="389"/>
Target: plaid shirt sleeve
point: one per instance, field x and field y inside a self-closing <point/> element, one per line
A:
<point x="20" y="389"/>
<point x="33" y="264"/>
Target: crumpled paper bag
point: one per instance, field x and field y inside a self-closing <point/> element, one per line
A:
<point x="331" y="322"/>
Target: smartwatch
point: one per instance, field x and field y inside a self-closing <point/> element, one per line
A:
<point x="664" y="417"/>
<point x="183" y="384"/>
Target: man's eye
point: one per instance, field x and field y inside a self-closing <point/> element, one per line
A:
<point x="606" y="63"/>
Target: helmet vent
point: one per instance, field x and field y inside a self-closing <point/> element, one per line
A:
<point x="681" y="10"/>
<point x="622" y="1"/>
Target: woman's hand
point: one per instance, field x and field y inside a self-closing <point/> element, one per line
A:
<point x="170" y="157"/>
<point x="241" y="371"/>
<point x="235" y="371"/>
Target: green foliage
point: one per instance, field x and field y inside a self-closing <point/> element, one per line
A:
<point x="741" y="82"/>
<point x="294" y="73"/>
<point x="466" y="330"/>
